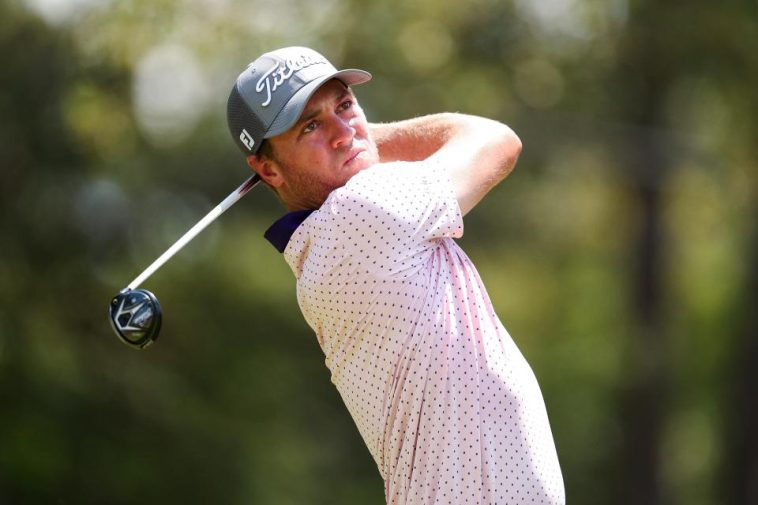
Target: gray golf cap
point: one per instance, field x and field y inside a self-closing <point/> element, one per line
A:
<point x="270" y="95"/>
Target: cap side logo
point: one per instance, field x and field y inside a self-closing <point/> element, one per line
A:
<point x="282" y="71"/>
<point x="247" y="139"/>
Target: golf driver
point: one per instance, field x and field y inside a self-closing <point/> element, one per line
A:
<point x="135" y="314"/>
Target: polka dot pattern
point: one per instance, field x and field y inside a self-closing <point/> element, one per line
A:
<point x="446" y="403"/>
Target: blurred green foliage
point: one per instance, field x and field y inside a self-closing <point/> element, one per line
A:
<point x="621" y="254"/>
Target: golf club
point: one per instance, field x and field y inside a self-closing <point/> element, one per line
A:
<point x="135" y="314"/>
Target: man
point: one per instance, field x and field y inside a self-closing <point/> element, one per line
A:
<point x="446" y="403"/>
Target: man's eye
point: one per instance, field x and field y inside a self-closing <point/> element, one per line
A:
<point x="309" y="127"/>
<point x="346" y="104"/>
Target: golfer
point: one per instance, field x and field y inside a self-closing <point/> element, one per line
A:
<point x="446" y="403"/>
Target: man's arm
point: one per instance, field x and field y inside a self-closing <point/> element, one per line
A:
<point x="412" y="139"/>
<point x="477" y="153"/>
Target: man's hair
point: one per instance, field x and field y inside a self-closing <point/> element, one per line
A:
<point x="266" y="151"/>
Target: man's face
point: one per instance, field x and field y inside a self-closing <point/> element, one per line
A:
<point x="327" y="146"/>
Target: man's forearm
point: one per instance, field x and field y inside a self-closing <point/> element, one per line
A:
<point x="415" y="139"/>
<point x="477" y="153"/>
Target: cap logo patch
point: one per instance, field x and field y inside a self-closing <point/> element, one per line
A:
<point x="247" y="139"/>
<point x="282" y="71"/>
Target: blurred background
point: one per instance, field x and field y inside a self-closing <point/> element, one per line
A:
<point x="621" y="254"/>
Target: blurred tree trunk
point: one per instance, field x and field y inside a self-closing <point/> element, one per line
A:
<point x="644" y="393"/>
<point x="643" y="78"/>
<point x="741" y="479"/>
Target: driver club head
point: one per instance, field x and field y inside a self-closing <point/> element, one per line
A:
<point x="136" y="317"/>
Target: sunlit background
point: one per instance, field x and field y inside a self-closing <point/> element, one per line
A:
<point x="621" y="254"/>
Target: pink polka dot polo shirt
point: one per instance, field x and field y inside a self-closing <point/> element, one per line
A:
<point x="445" y="401"/>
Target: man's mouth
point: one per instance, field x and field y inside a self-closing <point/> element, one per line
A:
<point x="352" y="155"/>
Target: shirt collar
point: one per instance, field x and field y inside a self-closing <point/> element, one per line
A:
<point x="281" y="231"/>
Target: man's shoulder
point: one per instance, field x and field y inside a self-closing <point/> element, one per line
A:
<point x="384" y="183"/>
<point x="387" y="174"/>
<point x="381" y="169"/>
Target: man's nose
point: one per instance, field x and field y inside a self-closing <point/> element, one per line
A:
<point x="342" y="132"/>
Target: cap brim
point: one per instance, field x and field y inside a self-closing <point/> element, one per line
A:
<point x="293" y="109"/>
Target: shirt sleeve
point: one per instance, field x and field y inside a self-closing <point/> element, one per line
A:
<point x="394" y="215"/>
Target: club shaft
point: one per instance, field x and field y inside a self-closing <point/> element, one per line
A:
<point x="192" y="232"/>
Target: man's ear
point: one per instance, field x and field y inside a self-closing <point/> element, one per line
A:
<point x="267" y="169"/>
